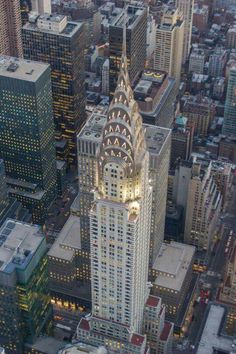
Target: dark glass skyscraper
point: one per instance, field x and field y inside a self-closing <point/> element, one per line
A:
<point x="229" y="126"/>
<point x="25" y="308"/>
<point x="136" y="29"/>
<point x="54" y="40"/>
<point x="27" y="133"/>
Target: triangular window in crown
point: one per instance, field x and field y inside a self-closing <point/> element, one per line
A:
<point x="124" y="132"/>
<point x="108" y="142"/>
<point x="110" y="129"/>
<point x="125" y="158"/>
<point x="116" y="142"/>
<point x="112" y="153"/>
<point x="117" y="129"/>
<point x="124" y="145"/>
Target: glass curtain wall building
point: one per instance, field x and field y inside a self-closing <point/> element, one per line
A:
<point x="27" y="134"/>
<point x="54" y="40"/>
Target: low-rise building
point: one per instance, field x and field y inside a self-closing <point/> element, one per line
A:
<point x="200" y="17"/>
<point x="227" y="148"/>
<point x="212" y="340"/>
<point x="69" y="267"/>
<point x="200" y="111"/>
<point x="197" y="61"/>
<point x="171" y="276"/>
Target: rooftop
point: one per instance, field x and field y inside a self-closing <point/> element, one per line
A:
<point x="211" y="339"/>
<point x="25" y="70"/>
<point x="81" y="348"/>
<point x="131" y="15"/>
<point x="45" y="344"/>
<point x="137" y="339"/>
<point x="168" y="327"/>
<point x="65" y="28"/>
<point x="18" y="242"/>
<point x="172" y="264"/>
<point x="153" y="301"/>
<point x="93" y="128"/>
<point x="152" y="89"/>
<point x="155" y="138"/>
<point x="68" y="240"/>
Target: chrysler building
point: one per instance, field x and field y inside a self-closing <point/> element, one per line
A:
<point x="125" y="318"/>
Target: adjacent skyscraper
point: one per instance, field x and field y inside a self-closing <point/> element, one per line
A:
<point x="120" y="225"/>
<point x="10" y="28"/>
<point x="169" y="43"/>
<point x="24" y="302"/>
<point x="27" y="133"/>
<point x="54" y="40"/>
<point x="186" y="7"/>
<point x="41" y="6"/>
<point x="229" y="126"/>
<point x="135" y="17"/>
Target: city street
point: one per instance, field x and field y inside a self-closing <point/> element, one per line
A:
<point x="60" y="209"/>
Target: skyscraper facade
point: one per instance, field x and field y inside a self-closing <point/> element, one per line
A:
<point x="10" y="28"/>
<point x="186" y="7"/>
<point x="27" y="133"/>
<point x="229" y="125"/>
<point x="24" y="302"/>
<point x="203" y="203"/>
<point x="54" y="40"/>
<point x="158" y="142"/>
<point x="4" y="200"/>
<point x="135" y="17"/>
<point x="120" y="225"/>
<point x="169" y="43"/>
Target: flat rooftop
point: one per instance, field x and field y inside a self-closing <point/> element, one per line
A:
<point x="131" y="16"/>
<point x="21" y="69"/>
<point x="81" y="348"/>
<point x="68" y="240"/>
<point x="18" y="242"/>
<point x="92" y="130"/>
<point x="156" y="137"/>
<point x="211" y="340"/>
<point x="47" y="345"/>
<point x="69" y="30"/>
<point x="172" y="264"/>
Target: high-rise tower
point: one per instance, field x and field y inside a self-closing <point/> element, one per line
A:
<point x="27" y="134"/>
<point x="229" y="126"/>
<point x="134" y="17"/>
<point x="120" y="226"/>
<point x="54" y="40"/>
<point x="186" y="7"/>
<point x="169" y="43"/>
<point x="10" y="28"/>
